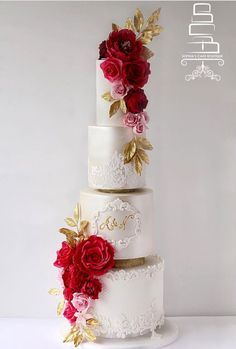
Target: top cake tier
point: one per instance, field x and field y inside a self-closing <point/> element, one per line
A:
<point x="103" y="106"/>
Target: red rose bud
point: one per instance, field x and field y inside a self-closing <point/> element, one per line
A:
<point x="136" y="73"/>
<point x="136" y="100"/>
<point x="122" y="44"/>
<point x="94" y="256"/>
<point x="112" y="69"/>
<point x="69" y="313"/>
<point x="103" y="50"/>
<point x="92" y="288"/>
<point x="64" y="256"/>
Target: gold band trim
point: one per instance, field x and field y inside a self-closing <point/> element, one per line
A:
<point x="119" y="191"/>
<point x="129" y="263"/>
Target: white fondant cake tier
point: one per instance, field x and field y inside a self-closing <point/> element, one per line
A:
<point x="102" y="111"/>
<point x="106" y="168"/>
<point x="131" y="303"/>
<point x="126" y="220"/>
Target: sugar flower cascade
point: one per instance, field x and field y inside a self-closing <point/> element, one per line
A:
<point x="81" y="260"/>
<point x="125" y="65"/>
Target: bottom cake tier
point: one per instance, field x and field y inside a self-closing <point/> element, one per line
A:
<point x="131" y="303"/>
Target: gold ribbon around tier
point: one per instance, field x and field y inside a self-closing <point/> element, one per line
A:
<point x="119" y="191"/>
<point x="129" y="263"/>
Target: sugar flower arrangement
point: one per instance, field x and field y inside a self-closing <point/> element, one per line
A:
<point x="125" y="65"/>
<point x="82" y="260"/>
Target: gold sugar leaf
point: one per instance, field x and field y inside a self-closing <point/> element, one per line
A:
<point x="60" y="306"/>
<point x="129" y="151"/>
<point x="84" y="225"/>
<point x="115" y="27"/>
<point x="154" y="17"/>
<point x="78" y="340"/>
<point x="89" y="334"/>
<point x="71" y="335"/>
<point x="71" y="241"/>
<point x="92" y="322"/>
<point x="54" y="291"/>
<point x="107" y="96"/>
<point x="143" y="155"/>
<point x="138" y="20"/>
<point x="144" y="143"/>
<point x="68" y="232"/>
<point x="146" y="53"/>
<point x="156" y="30"/>
<point x="77" y="213"/>
<point x="70" y="222"/>
<point x="146" y="36"/>
<point x="123" y="106"/>
<point x="129" y="24"/>
<point x="115" y="106"/>
<point x="138" y="164"/>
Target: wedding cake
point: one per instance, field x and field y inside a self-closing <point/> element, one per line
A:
<point x="112" y="279"/>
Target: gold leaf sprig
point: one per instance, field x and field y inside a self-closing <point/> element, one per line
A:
<point x="116" y="104"/>
<point x="72" y="236"/>
<point x="78" y="335"/>
<point x="135" y="152"/>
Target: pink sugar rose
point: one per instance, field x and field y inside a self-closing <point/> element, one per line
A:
<point x="130" y="119"/>
<point x="118" y="90"/>
<point x="139" y="128"/>
<point x="81" y="302"/>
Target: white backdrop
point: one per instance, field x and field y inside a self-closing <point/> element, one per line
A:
<point x="47" y="100"/>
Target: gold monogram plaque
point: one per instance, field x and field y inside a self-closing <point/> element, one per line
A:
<point x="111" y="223"/>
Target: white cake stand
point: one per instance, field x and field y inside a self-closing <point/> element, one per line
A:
<point x="164" y="336"/>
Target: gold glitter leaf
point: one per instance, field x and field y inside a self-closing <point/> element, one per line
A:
<point x="143" y="155"/>
<point x="77" y="213"/>
<point x="138" y="20"/>
<point x="129" y="24"/>
<point x="154" y="17"/>
<point x="60" y="306"/>
<point x="107" y="96"/>
<point x="123" y="106"/>
<point x="146" y="53"/>
<point x="54" y="291"/>
<point x="78" y="340"/>
<point x="68" y="232"/>
<point x="144" y="143"/>
<point x="115" y="106"/>
<point x="115" y="27"/>
<point x="138" y="164"/>
<point x="92" y="322"/>
<point x="129" y="151"/>
<point x="89" y="334"/>
<point x="70" y="222"/>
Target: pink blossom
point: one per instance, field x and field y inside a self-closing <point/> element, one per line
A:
<point x="81" y="302"/>
<point x="118" y="90"/>
<point x="144" y="117"/>
<point x="139" y="128"/>
<point x="130" y="119"/>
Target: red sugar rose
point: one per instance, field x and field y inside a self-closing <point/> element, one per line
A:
<point x="136" y="73"/>
<point x="69" y="312"/>
<point x="92" y="288"/>
<point x="122" y="44"/>
<point x="112" y="68"/>
<point x="68" y="293"/>
<point x="136" y="100"/>
<point x="64" y="256"/>
<point x="94" y="256"/>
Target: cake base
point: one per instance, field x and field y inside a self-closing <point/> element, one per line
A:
<point x="167" y="334"/>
